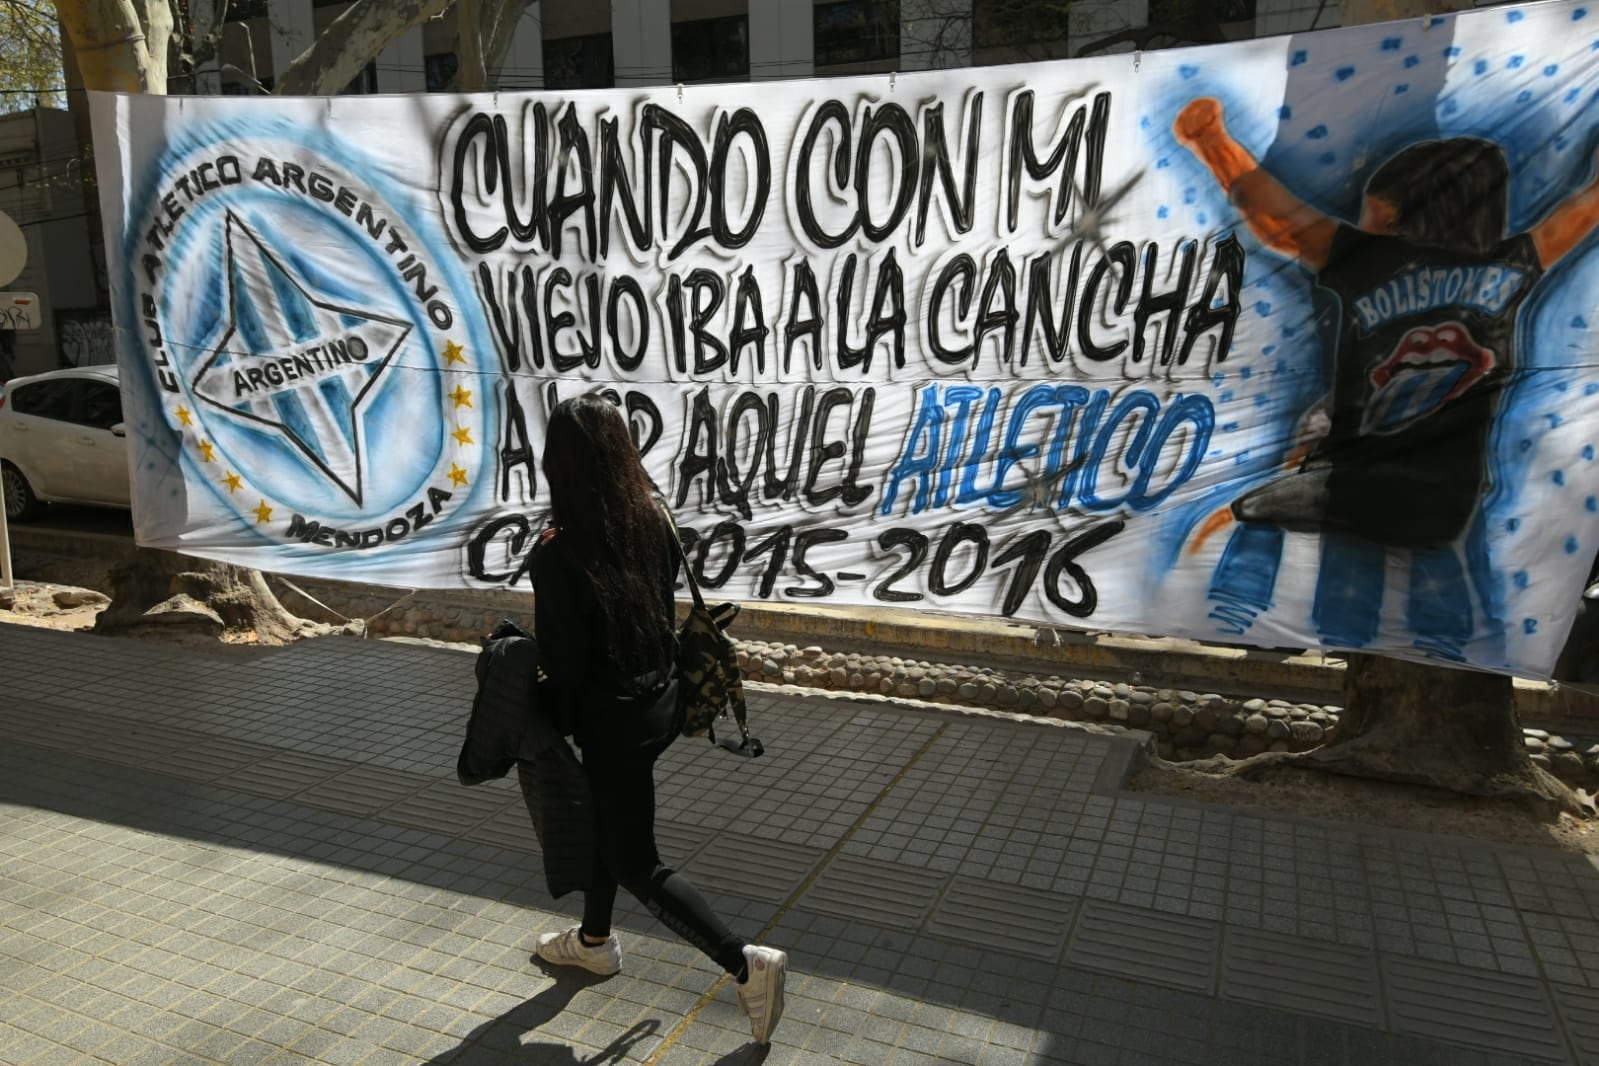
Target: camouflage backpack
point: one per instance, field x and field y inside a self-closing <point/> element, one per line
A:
<point x="709" y="683"/>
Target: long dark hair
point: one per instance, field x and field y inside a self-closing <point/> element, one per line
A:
<point x="1452" y="193"/>
<point x="603" y="503"/>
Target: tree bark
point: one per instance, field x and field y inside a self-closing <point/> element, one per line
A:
<point x="164" y="594"/>
<point x="112" y="50"/>
<point x="353" y="40"/>
<point x="469" y="35"/>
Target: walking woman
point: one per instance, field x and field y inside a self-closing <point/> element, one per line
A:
<point x="603" y="615"/>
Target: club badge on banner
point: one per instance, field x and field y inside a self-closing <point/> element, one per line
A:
<point x="1283" y="342"/>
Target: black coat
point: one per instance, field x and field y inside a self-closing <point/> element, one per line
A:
<point x="509" y="726"/>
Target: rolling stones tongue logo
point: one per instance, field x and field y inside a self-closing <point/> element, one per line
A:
<point x="1431" y="366"/>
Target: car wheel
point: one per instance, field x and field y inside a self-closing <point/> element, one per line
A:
<point x="21" y="503"/>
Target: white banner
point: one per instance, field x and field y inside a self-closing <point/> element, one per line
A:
<point x="1282" y="342"/>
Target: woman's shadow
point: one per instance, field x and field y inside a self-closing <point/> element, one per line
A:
<point x="501" y="1040"/>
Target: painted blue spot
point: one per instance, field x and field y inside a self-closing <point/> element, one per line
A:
<point x="1144" y="123"/>
<point x="1515" y="16"/>
<point x="1559" y="478"/>
<point x="1513" y="525"/>
<point x="1285" y="112"/>
<point x="1516" y="62"/>
<point x="1392" y="44"/>
<point x="1202" y="218"/>
<point x="1529" y="626"/>
<point x="1299" y="56"/>
<point x="1327" y="159"/>
<point x="1401" y="88"/>
<point x="1555" y="422"/>
<point x="1245" y="372"/>
<point x="1579" y="14"/>
<point x="1551" y="70"/>
<point x="1452" y="52"/>
<point x="1560" y="142"/>
<point x="1572" y="546"/>
<point x="1578" y="322"/>
<point x="1279" y="367"/>
<point x="1290" y="332"/>
<point x="1590" y="388"/>
<point x="1162" y="211"/>
<point x="1261" y="399"/>
<point x="1412" y="61"/>
<point x="1523" y="96"/>
<point x="1217" y="378"/>
<point x="1591" y="504"/>
<point x="1225" y="396"/>
<point x="1190" y="195"/>
<point x="1573" y="95"/>
<point x="1262" y="308"/>
<point x="1268" y="350"/>
<point x="1525" y="445"/>
<point x="1594" y="47"/>
<point x="1162" y="163"/>
<point x="1187" y="71"/>
<point x="1316" y="133"/>
<point x="1230" y="427"/>
<point x="1587" y="452"/>
<point x="1521" y="579"/>
<point x="1562" y="386"/>
<point x="1344" y="73"/>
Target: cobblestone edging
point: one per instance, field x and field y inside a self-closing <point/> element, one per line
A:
<point x="1186" y="724"/>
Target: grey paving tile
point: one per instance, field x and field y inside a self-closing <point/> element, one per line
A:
<point x="1004" y="916"/>
<point x="1165" y="949"/>
<point x="1304" y="976"/>
<point x="877" y="893"/>
<point x="1491" y="1011"/>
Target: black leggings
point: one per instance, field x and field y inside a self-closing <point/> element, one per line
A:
<point x="619" y="755"/>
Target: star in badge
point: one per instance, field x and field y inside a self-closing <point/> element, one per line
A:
<point x="263" y="513"/>
<point x="462" y="396"/>
<point x="457" y="475"/>
<point x="462" y="435"/>
<point x="185" y="416"/>
<point x="452" y="354"/>
<point x="233" y="482"/>
<point x="295" y="362"/>
<point x="208" y="450"/>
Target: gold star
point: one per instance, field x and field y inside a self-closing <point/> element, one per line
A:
<point x="462" y="397"/>
<point x="457" y="475"/>
<point x="462" y="435"/>
<point x="452" y="353"/>
<point x="263" y="513"/>
<point x="208" y="450"/>
<point x="233" y="482"/>
<point x="183" y="415"/>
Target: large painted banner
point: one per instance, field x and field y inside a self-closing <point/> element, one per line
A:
<point x="1283" y="342"/>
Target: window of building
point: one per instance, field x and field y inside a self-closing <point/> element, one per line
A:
<point x="1009" y="23"/>
<point x="579" y="62"/>
<point x="856" y="31"/>
<point x="1176" y="12"/>
<point x="240" y="10"/>
<point x="441" y="68"/>
<point x="711" y="49"/>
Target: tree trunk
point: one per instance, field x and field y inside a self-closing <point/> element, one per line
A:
<point x="353" y="40"/>
<point x="111" y="46"/>
<point x="164" y="594"/>
<point x="469" y="37"/>
<point x="121" y="45"/>
<point x="1423" y="724"/>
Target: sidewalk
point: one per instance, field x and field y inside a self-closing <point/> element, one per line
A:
<point x="239" y="856"/>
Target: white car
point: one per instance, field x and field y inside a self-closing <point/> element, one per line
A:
<point x="62" y="440"/>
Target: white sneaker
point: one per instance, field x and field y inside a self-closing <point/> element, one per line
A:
<point x="761" y="996"/>
<point x="566" y="948"/>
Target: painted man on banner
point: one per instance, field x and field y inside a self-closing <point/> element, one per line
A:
<point x="1429" y="290"/>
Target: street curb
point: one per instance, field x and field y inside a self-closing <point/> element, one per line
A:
<point x="913" y="634"/>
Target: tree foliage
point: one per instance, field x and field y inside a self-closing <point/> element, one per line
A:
<point x="30" y="55"/>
